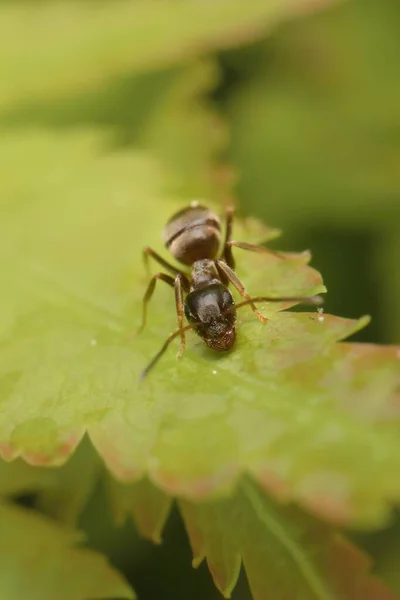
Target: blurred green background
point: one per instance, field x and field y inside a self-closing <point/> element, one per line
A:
<point x="308" y="116"/>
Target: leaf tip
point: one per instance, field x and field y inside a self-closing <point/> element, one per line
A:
<point x="227" y="585"/>
<point x="197" y="560"/>
<point x="364" y="320"/>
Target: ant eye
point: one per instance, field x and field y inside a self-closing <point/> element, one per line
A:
<point x="188" y="314"/>
<point x="227" y="299"/>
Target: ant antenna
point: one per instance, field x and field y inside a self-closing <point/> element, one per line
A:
<point x="159" y="354"/>
<point x="315" y="300"/>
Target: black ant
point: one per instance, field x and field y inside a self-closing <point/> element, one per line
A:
<point x="193" y="237"/>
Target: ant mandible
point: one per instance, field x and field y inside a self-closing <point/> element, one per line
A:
<point x="193" y="237"/>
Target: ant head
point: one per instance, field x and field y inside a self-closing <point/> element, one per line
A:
<point x="207" y="309"/>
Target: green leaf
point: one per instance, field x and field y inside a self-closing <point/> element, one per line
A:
<point x="103" y="40"/>
<point x="165" y="112"/>
<point x="146" y="504"/>
<point x="69" y="487"/>
<point x="41" y="561"/>
<point x="311" y="419"/>
<point x="20" y="478"/>
<point x="286" y="553"/>
<point x="61" y="492"/>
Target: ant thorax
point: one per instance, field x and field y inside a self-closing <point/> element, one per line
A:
<point x="204" y="272"/>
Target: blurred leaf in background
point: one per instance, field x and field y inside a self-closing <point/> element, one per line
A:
<point x="41" y="561"/>
<point x="315" y="120"/>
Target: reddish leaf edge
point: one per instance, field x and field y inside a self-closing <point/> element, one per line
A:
<point x="69" y="442"/>
<point x="217" y="485"/>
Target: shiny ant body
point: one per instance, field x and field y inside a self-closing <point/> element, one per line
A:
<point x="193" y="236"/>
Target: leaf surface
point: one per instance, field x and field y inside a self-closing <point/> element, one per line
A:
<point x="41" y="561"/>
<point x="310" y="419"/>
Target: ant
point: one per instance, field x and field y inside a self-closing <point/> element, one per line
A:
<point x="193" y="237"/>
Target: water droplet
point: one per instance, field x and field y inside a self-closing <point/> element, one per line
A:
<point x="93" y="342"/>
<point x="320" y="317"/>
<point x="214" y="372"/>
<point x="194" y="203"/>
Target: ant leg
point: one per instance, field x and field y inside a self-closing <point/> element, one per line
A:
<point x="314" y="300"/>
<point x="230" y="274"/>
<point x="227" y="250"/>
<point x="179" y="310"/>
<point x="227" y="254"/>
<point x="147" y="252"/>
<point x="253" y="248"/>
<point x="159" y="354"/>
<point x="149" y="292"/>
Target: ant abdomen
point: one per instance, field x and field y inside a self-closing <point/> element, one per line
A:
<point x="192" y="234"/>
